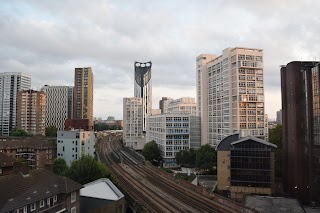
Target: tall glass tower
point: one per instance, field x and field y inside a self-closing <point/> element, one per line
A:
<point x="143" y="88"/>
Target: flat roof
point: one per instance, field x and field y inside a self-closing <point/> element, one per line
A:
<point x="101" y="189"/>
<point x="266" y="204"/>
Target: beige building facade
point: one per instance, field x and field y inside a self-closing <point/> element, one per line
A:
<point x="230" y="94"/>
<point x="31" y="111"/>
<point x="83" y="94"/>
<point x="133" y="135"/>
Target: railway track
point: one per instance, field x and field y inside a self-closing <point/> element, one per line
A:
<point x="153" y="191"/>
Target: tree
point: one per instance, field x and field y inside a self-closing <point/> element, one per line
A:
<point x="275" y="137"/>
<point x="206" y="157"/>
<point x="151" y="151"/>
<point x="87" y="169"/>
<point x="186" y="158"/>
<point x="60" y="166"/>
<point x="19" y="133"/>
<point x="51" y="131"/>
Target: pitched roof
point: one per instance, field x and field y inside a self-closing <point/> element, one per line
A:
<point x="250" y="137"/>
<point x="19" y="190"/>
<point x="101" y="189"/>
<point x="5" y="160"/>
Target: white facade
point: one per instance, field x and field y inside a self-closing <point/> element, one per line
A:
<point x="133" y="123"/>
<point x="71" y="145"/>
<point x="231" y="94"/>
<point x="10" y="84"/>
<point x="172" y="132"/>
<point x="185" y="104"/>
<point x="143" y="88"/>
<point x="202" y="93"/>
<point x="59" y="105"/>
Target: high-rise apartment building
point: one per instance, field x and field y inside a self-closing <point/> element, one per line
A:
<point x="230" y="94"/>
<point x="31" y="111"/>
<point x="83" y="94"/>
<point x="301" y="129"/>
<point x="10" y="84"/>
<point x="279" y="116"/>
<point x="143" y="88"/>
<point x="133" y="135"/>
<point x="59" y="105"/>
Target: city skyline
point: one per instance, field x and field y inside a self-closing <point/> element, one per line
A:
<point x="47" y="40"/>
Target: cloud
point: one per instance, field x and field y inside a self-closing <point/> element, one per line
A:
<point x="49" y="39"/>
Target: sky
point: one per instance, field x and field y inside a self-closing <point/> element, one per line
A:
<point x="48" y="39"/>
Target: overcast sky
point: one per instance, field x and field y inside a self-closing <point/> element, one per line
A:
<point x="48" y="39"/>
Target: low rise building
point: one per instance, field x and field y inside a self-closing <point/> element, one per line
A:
<point x="173" y="132"/>
<point x="245" y="166"/>
<point x="36" y="151"/>
<point x="101" y="196"/>
<point x="71" y="145"/>
<point x="38" y="191"/>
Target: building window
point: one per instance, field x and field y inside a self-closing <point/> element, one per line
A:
<point x="33" y="206"/>
<point x="25" y="209"/>
<point x="48" y="201"/>
<point x="41" y="203"/>
<point x="73" y="209"/>
<point x="73" y="197"/>
<point x="55" y="198"/>
<point x="0" y="170"/>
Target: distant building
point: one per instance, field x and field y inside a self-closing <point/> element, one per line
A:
<point x="6" y="164"/>
<point x="301" y="130"/>
<point x="10" y="84"/>
<point x="185" y="104"/>
<point x="36" y="151"/>
<point x="71" y="145"/>
<point x="83" y="94"/>
<point x="59" y="105"/>
<point x="245" y="166"/>
<point x="38" y="191"/>
<point x="83" y="124"/>
<point x="164" y="104"/>
<point x="31" y="111"/>
<point x="101" y="196"/>
<point x="143" y="88"/>
<point x="133" y="135"/>
<point x="173" y="132"/>
<point x="279" y="116"/>
<point x="230" y="94"/>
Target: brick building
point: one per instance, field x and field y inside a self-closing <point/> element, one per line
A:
<point x="31" y="111"/>
<point x="77" y="124"/>
<point x="36" y="151"/>
<point x="6" y="164"/>
<point x="38" y="191"/>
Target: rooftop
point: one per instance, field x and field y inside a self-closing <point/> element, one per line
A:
<point x="27" y="142"/>
<point x="101" y="189"/>
<point x="265" y="204"/>
<point x="5" y="160"/>
<point x="21" y="190"/>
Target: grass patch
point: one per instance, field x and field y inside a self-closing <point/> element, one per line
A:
<point x="186" y="177"/>
<point x="167" y="170"/>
